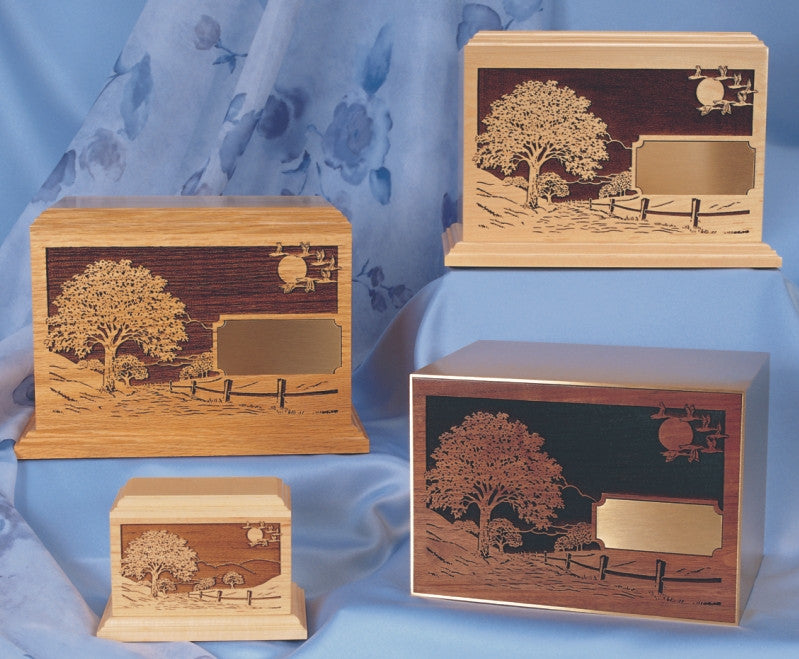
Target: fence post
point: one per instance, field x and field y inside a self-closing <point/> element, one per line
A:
<point x="218" y="595"/>
<point x="603" y="565"/>
<point x="227" y="385"/>
<point x="612" y="205"/>
<point x="201" y="594"/>
<point x="249" y="598"/>
<point x="545" y="558"/>
<point x="660" y="571"/>
<point x="694" y="212"/>
<point x="281" y="392"/>
<point x="644" y="208"/>
<point x="568" y="562"/>
<point x="193" y="388"/>
<point x="170" y="386"/>
<point x="590" y="204"/>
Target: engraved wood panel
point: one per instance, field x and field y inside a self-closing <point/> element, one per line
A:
<point x="552" y="126"/>
<point x="129" y="294"/>
<point x="202" y="559"/>
<point x="507" y="477"/>
<point x="200" y="569"/>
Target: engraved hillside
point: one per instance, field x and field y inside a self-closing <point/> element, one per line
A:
<point x="510" y="510"/>
<point x="203" y="567"/>
<point x="570" y="160"/>
<point x="133" y="332"/>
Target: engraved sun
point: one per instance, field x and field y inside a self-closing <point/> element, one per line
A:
<point x="291" y="268"/>
<point x="255" y="535"/>
<point x="710" y="91"/>
<point x="674" y="433"/>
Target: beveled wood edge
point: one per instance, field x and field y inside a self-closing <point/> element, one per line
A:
<point x="461" y="253"/>
<point x="47" y="443"/>
<point x="552" y="607"/>
<point x="237" y="627"/>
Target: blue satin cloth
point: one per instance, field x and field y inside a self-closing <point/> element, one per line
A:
<point x="351" y="513"/>
<point x="363" y="107"/>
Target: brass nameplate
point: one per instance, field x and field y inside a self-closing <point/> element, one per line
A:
<point x="662" y="526"/>
<point x="259" y="346"/>
<point x="691" y="167"/>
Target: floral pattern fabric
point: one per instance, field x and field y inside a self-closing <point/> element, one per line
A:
<point x="360" y="107"/>
<point x="252" y="97"/>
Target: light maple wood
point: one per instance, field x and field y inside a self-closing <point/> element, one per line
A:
<point x="696" y="409"/>
<point x="76" y="417"/>
<point x="497" y="230"/>
<point x="463" y="253"/>
<point x="231" y="527"/>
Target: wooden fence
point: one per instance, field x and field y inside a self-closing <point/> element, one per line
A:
<point x="227" y="391"/>
<point x="217" y="596"/>
<point x="643" y="210"/>
<point x="658" y="576"/>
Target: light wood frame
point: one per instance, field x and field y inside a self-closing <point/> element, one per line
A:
<point x="204" y="260"/>
<point x="676" y="435"/>
<point x="620" y="90"/>
<point x="169" y="534"/>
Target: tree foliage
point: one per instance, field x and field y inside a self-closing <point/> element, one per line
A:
<point x="233" y="579"/>
<point x="111" y="303"/>
<point x="166" y="586"/>
<point x="538" y="122"/>
<point x="91" y="365"/>
<point x="618" y="185"/>
<point x="204" y="584"/>
<point x="198" y="367"/>
<point x="489" y="460"/>
<point x="576" y="537"/>
<point x="551" y="185"/>
<point x="155" y="552"/>
<point x="129" y="367"/>
<point x="502" y="533"/>
<point x="515" y="181"/>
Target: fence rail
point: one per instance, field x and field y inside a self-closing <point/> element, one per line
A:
<point x="658" y="576"/>
<point x="227" y="391"/>
<point x="643" y="210"/>
<point x="218" y="596"/>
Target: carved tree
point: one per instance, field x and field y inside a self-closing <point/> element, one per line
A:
<point x="91" y="365"/>
<point x="129" y="367"/>
<point x="110" y="303"/>
<point x="198" y="366"/>
<point x="165" y="586"/>
<point x="489" y="460"/>
<point x="576" y="537"/>
<point x="155" y="552"/>
<point x="502" y="533"/>
<point x="538" y="122"/>
<point x="551" y="185"/>
<point x="204" y="584"/>
<point x="617" y="185"/>
<point x="233" y="579"/>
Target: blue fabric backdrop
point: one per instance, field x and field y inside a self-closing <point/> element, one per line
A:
<point x="361" y="104"/>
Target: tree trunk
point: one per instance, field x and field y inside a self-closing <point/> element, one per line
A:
<point x="154" y="583"/>
<point x="108" y="369"/>
<point x="483" y="540"/>
<point x="532" y="186"/>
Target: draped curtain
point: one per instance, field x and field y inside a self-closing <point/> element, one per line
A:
<point x="356" y="102"/>
<point x="230" y="97"/>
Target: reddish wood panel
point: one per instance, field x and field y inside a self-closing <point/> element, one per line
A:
<point x="250" y="550"/>
<point x="649" y="444"/>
